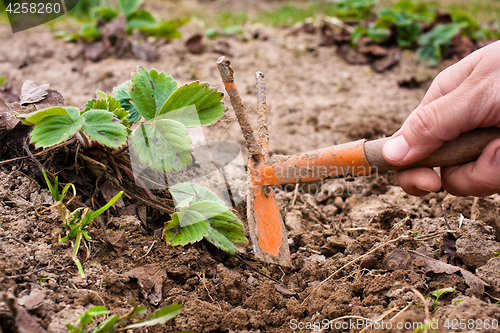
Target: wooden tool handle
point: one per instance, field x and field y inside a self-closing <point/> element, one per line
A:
<point x="466" y="148"/>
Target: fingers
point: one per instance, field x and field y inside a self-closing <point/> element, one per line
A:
<point x="479" y="178"/>
<point x="462" y="98"/>
<point x="418" y="181"/>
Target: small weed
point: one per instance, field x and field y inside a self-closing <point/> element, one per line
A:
<point x="117" y="323"/>
<point x="458" y="301"/>
<point x="497" y="257"/>
<point x="75" y="222"/>
<point x="41" y="281"/>
<point x="438" y="294"/>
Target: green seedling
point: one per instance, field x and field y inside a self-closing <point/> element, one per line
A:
<point x="406" y="17"/>
<point x="41" y="281"/>
<point x="201" y="214"/>
<point x="136" y="18"/>
<point x="434" y="44"/>
<point x="117" y="323"/>
<point x="438" y="294"/>
<point x="75" y="222"/>
<point x="497" y="257"/>
<point x="458" y="301"/>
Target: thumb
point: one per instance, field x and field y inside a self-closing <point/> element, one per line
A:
<point x="431" y="124"/>
<point x="479" y="178"/>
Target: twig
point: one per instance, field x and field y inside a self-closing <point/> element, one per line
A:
<point x="402" y="311"/>
<point x="227" y="75"/>
<point x="43" y="152"/>
<point x="474" y="210"/>
<point x="27" y="149"/>
<point x="444" y="216"/>
<point x="148" y="250"/>
<point x="14" y="239"/>
<point x="262" y="117"/>
<point x="426" y="307"/>
<point x="350" y="263"/>
<point x="382" y="316"/>
<point x="295" y="193"/>
<point x="203" y="281"/>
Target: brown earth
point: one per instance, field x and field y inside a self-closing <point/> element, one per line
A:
<point x="315" y="100"/>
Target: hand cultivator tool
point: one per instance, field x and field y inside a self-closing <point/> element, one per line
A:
<point x="354" y="159"/>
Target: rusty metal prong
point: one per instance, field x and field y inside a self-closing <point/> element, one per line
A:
<point x="241" y="111"/>
<point x="262" y="117"/>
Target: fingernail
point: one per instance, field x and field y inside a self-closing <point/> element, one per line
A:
<point x="396" y="148"/>
<point x="497" y="156"/>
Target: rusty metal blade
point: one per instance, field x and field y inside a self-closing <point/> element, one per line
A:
<point x="266" y="227"/>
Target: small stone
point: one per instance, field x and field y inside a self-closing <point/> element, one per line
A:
<point x="338" y="202"/>
<point x="293" y="220"/>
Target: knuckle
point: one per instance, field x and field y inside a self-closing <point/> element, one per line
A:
<point x="425" y="122"/>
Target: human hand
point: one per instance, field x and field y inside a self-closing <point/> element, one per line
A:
<point x="461" y="98"/>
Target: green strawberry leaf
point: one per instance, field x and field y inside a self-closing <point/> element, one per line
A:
<point x="120" y="93"/>
<point x="167" y="30"/>
<point x="163" y="144"/>
<point x="55" y="129"/>
<point x="139" y="19"/>
<point x="34" y="118"/>
<point x="186" y="226"/>
<point x="105" y="13"/>
<point x="104" y="127"/>
<point x="128" y="7"/>
<point x="149" y="91"/>
<point x="207" y="101"/>
<point x="190" y="193"/>
<point x="104" y="101"/>
<point x="204" y="219"/>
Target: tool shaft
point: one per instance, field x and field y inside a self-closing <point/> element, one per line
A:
<point x="364" y="158"/>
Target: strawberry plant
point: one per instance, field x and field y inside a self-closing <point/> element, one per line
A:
<point x="405" y="17"/>
<point x="106" y="125"/>
<point x="75" y="222"/>
<point x="117" y="323"/>
<point x="136" y="19"/>
<point x="433" y="45"/>
<point x="162" y="142"/>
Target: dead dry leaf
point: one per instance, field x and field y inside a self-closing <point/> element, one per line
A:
<point x="35" y="298"/>
<point x="53" y="98"/>
<point x="150" y="279"/>
<point x="23" y="321"/>
<point x="31" y="93"/>
<point x="118" y="240"/>
<point x="108" y="191"/>
<point x="8" y="114"/>
<point x="144" y="51"/>
<point x="195" y="44"/>
<point x="450" y="245"/>
<point x="440" y="267"/>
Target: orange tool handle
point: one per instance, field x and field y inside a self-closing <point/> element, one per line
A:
<point x="363" y="158"/>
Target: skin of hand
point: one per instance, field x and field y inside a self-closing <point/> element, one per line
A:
<point x="461" y="98"/>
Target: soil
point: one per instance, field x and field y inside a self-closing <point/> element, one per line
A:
<point x="315" y="99"/>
